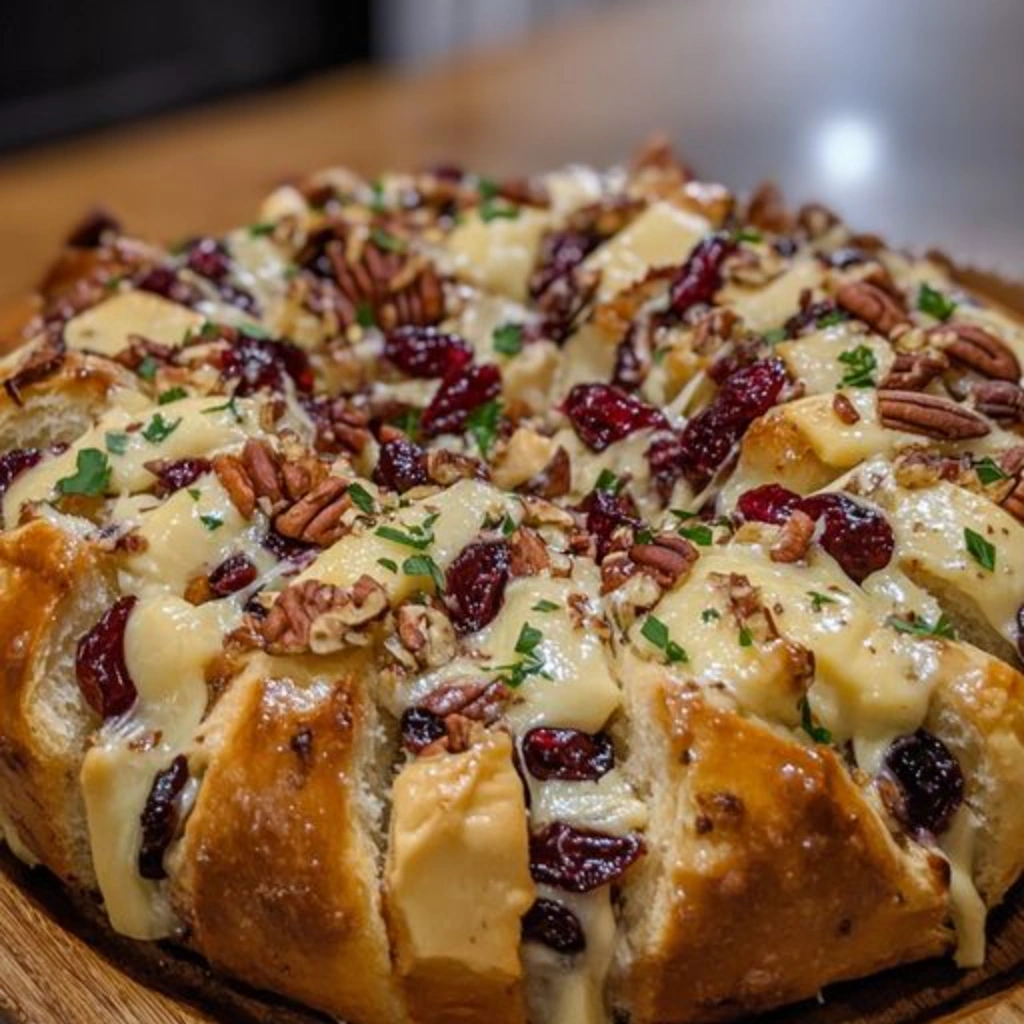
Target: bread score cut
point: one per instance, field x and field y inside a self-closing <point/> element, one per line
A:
<point x="584" y="597"/>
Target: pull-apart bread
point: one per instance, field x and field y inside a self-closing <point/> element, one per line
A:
<point x="551" y="600"/>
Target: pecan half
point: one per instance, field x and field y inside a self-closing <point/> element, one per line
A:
<point x="317" y="518"/>
<point x="479" y="700"/>
<point x="794" y="538"/>
<point x="978" y="350"/>
<point x="914" y="371"/>
<point x="930" y="415"/>
<point x="999" y="399"/>
<point x="235" y="480"/>
<point x="874" y="306"/>
<point x="554" y="480"/>
<point x="845" y="409"/>
<point x="1014" y="501"/>
<point x="528" y="554"/>
<point x="427" y="634"/>
<point x="668" y="558"/>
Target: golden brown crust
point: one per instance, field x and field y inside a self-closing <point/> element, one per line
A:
<point x="770" y="874"/>
<point x="40" y="568"/>
<point x="776" y="450"/>
<point x="277" y="879"/>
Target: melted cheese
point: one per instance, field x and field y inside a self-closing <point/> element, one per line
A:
<point x="106" y="328"/>
<point x="499" y="254"/>
<point x="461" y="511"/>
<point x="167" y="644"/>
<point x="967" y="907"/>
<point x="662" y="236"/>
<point x="770" y="306"/>
<point x="204" y="428"/>
<point x="458" y="876"/>
<point x="814" y="358"/>
<point x="607" y="805"/>
<point x="624" y="458"/>
<point x="588" y="355"/>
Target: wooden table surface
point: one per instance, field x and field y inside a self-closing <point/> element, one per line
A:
<point x="906" y="117"/>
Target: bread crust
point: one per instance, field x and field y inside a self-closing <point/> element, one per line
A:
<point x="43" y="572"/>
<point x="276" y="874"/>
<point x="770" y="874"/>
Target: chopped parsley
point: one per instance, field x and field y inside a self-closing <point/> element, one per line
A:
<point x="147" y="368"/>
<point x="419" y="536"/>
<point x="387" y="241"/>
<point x="645" y="535"/>
<point x="860" y="363"/>
<point x="609" y="482"/>
<point x="746" y="637"/>
<point x="257" y="331"/>
<point x="818" y="600"/>
<point x="361" y="498"/>
<point x="377" y="203"/>
<point x="91" y="476"/>
<point x="171" y="395"/>
<point x="212" y="521"/>
<point x="747" y="235"/>
<point x="817" y="732"/>
<point x="775" y="335"/>
<point x="389" y="563"/>
<point x="545" y="606"/>
<point x="934" y="303"/>
<point x="424" y="565"/>
<point x="494" y="208"/>
<point x="158" y="429"/>
<point x="364" y="315"/>
<point x="529" y="638"/>
<point x="989" y="472"/>
<point x="508" y="525"/>
<point x="700" y="534"/>
<point x="508" y="339"/>
<point x="980" y="549"/>
<point x="655" y="632"/>
<point x="117" y="442"/>
<point x="531" y="664"/>
<point x="228" y="406"/>
<point x="831" y="318"/>
<point x="261" y="229"/>
<point x="921" y="627"/>
<point x="194" y="493"/>
<point x="482" y="423"/>
<point x="408" y="421"/>
<point x="710" y="615"/>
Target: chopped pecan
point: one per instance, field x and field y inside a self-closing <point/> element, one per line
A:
<point x="1000" y="400"/>
<point x="478" y="700"/>
<point x="914" y="371"/>
<point x="668" y="558"/>
<point x="978" y="350"/>
<point x="767" y="209"/>
<point x="930" y="415"/>
<point x="816" y="220"/>
<point x="554" y="480"/>
<point x="321" y="617"/>
<point x="794" y="538"/>
<point x="616" y="568"/>
<point x="875" y="307"/>
<point x="44" y="358"/>
<point x="427" y="634"/>
<point x="235" y="480"/>
<point x="1014" y="501"/>
<point x="445" y="467"/>
<point x="317" y="517"/>
<point x="845" y="409"/>
<point x="528" y="553"/>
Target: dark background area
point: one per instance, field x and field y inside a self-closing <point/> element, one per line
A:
<point x="68" y="66"/>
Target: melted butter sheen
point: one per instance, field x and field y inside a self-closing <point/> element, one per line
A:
<point x="105" y="328"/>
<point x="167" y="644"/>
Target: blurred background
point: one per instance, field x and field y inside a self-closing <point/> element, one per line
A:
<point x="906" y="117"/>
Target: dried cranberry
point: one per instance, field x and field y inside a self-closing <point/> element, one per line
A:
<point x="401" y="465"/>
<point x="208" y="258"/>
<point x="426" y="352"/>
<point x="606" y="512"/>
<point x="100" y="667"/>
<point x="568" y="754"/>
<point x="578" y="859"/>
<point x="235" y="573"/>
<point x="160" y="818"/>
<point x="287" y="549"/>
<point x="475" y="584"/>
<point x="561" y="252"/>
<point x="457" y="397"/>
<point x="709" y="439"/>
<point x="771" y="503"/>
<point x="630" y="366"/>
<point x="97" y="227"/>
<point x="602" y="414"/>
<point x="858" y="537"/>
<point x="555" y="925"/>
<point x="930" y="782"/>
<point x="701" y="275"/>
<point x="173" y="474"/>
<point x="809" y="316"/>
<point x="15" y="462"/>
<point x="785" y="246"/>
<point x="164" y="281"/>
<point x="420" y="728"/>
<point x="265" y="363"/>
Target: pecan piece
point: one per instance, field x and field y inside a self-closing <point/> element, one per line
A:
<point x="1014" y="501"/>
<point x="554" y="480"/>
<point x="1000" y="400"/>
<point x="794" y="538"/>
<point x="234" y="479"/>
<point x="845" y="409"/>
<point x="978" y="350"/>
<point x="528" y="554"/>
<point x="317" y="517"/>
<point x="914" y="371"/>
<point x="668" y="558"/>
<point x="874" y="306"/>
<point x="480" y="701"/>
<point x="930" y="415"/>
<point x="427" y="634"/>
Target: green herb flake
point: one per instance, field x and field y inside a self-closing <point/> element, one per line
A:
<point x="228" y="406"/>
<point x="545" y="606"/>
<point x="497" y="209"/>
<point x="700" y="534"/>
<point x="261" y="229"/>
<point x="91" y="476"/>
<point x="818" y="600"/>
<point x="387" y="241"/>
<point x="377" y="203"/>
<point x="529" y="638"/>
<point x="424" y="565"/>
<point x="832" y="318"/>
<point x="747" y="235"/>
<point x="389" y="563"/>
<point x="861" y="364"/>
<point x="989" y="472"/>
<point x="746" y="637"/>
<point x="488" y="188"/>
<point x="645" y="535"/>
<point x="609" y="482"/>
<point x="921" y="627"/>
<point x="171" y="395"/>
<point x="655" y="632"/>
<point x="116" y="442"/>
<point x="194" y="493"/>
<point x="158" y="429"/>
<point x="147" y="368"/>
<point x="817" y="732"/>
<point x="508" y="339"/>
<point x="508" y="525"/>
<point x="361" y="498"/>
<point x="980" y="549"/>
<point x="482" y="423"/>
<point x="212" y="521"/>
<point x="710" y="615"/>
<point x="419" y="537"/>
<point x="257" y="331"/>
<point x="775" y="335"/>
<point x="934" y="303"/>
<point x="364" y="315"/>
